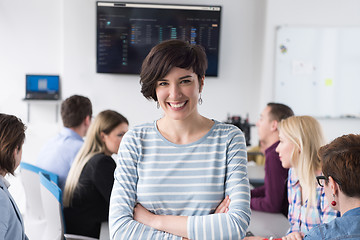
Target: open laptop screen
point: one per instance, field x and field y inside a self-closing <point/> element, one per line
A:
<point x="42" y="87"/>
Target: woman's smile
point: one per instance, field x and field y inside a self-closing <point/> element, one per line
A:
<point x="177" y="106"/>
<point x="178" y="93"/>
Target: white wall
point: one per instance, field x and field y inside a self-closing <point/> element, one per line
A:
<point x="306" y="13"/>
<point x="41" y="36"/>
<point x="230" y="92"/>
<point x="30" y="42"/>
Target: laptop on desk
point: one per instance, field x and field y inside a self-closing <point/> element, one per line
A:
<point x="42" y="87"/>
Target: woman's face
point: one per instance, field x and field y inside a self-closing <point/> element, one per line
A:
<point x="285" y="150"/>
<point x="178" y="93"/>
<point x="113" y="139"/>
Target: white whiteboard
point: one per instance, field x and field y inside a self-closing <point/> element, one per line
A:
<point x="317" y="70"/>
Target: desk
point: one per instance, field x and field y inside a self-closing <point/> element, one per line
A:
<point x="268" y="224"/>
<point x="256" y="174"/>
<point x="104" y="231"/>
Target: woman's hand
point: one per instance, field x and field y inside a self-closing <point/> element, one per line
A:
<point x="142" y="215"/>
<point x="294" y="236"/>
<point x="253" y="238"/>
<point x="223" y="206"/>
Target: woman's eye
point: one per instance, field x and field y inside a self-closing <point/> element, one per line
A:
<point x="162" y="83"/>
<point x="185" y="81"/>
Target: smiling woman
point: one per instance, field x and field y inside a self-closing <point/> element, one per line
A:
<point x="178" y="94"/>
<point x="175" y="177"/>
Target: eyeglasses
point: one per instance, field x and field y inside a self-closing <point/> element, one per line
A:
<point x="321" y="180"/>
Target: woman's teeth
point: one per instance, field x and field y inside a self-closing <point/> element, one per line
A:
<point x="178" y="105"/>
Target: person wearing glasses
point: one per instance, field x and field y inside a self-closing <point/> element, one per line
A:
<point x="91" y="176"/>
<point x="300" y="139"/>
<point x="340" y="181"/>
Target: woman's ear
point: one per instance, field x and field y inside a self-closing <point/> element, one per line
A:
<point x="202" y="84"/>
<point x="333" y="186"/>
<point x="17" y="155"/>
<point x="17" y="150"/>
<point x="102" y="136"/>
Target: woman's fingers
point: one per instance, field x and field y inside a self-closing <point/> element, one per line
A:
<point x="223" y="206"/>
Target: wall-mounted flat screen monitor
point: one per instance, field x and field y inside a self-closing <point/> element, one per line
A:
<point x="127" y="31"/>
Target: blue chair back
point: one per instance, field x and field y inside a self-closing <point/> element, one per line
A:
<point x="52" y="203"/>
<point x="52" y="176"/>
<point x="47" y="182"/>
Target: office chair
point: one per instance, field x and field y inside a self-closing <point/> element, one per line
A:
<point x="31" y="182"/>
<point x="51" y="196"/>
<point x="34" y="218"/>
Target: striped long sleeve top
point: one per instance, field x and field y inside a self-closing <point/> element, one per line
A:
<point x="187" y="180"/>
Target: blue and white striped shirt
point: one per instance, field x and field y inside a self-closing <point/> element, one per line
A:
<point x="187" y="180"/>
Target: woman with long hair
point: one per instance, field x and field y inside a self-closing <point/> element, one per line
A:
<point x="300" y="139"/>
<point x="90" y="180"/>
<point x="12" y="136"/>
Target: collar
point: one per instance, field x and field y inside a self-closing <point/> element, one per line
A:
<point x="352" y="212"/>
<point x="6" y="182"/>
<point x="272" y="147"/>
<point x="293" y="178"/>
<point x="69" y="132"/>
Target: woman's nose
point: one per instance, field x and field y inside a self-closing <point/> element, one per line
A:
<point x="175" y="91"/>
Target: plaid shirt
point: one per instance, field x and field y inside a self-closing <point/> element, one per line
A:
<point x="299" y="220"/>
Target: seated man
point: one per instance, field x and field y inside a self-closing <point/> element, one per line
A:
<point x="272" y="196"/>
<point x="59" y="153"/>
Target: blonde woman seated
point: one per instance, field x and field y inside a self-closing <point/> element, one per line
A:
<point x="300" y="139"/>
<point x="90" y="180"/>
